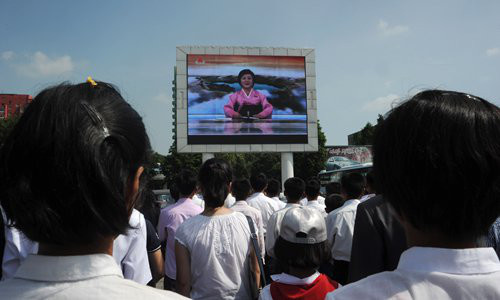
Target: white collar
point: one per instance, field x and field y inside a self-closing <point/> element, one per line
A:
<point x="292" y="204"/>
<point x="248" y="96"/>
<point x="289" y="279"/>
<point x="240" y="202"/>
<point x="67" y="268"/>
<point x="453" y="261"/>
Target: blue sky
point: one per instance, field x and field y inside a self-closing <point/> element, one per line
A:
<point x="368" y="53"/>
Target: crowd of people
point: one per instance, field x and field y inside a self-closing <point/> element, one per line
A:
<point x="81" y="223"/>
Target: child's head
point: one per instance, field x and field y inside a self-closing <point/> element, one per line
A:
<point x="352" y="185"/>
<point x="294" y="189"/>
<point x="333" y="201"/>
<point x="302" y="240"/>
<point x="240" y="188"/>
<point x="312" y="188"/>
<point x="437" y="161"/>
<point x="70" y="168"/>
<point x="185" y="182"/>
<point x="332" y="188"/>
<point x="273" y="188"/>
<point x="258" y="182"/>
<point x="214" y="179"/>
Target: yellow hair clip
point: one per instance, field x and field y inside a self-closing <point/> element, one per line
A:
<point x="91" y="81"/>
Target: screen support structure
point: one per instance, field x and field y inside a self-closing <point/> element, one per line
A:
<point x="286" y="167"/>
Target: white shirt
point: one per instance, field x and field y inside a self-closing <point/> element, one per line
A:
<point x="432" y="273"/>
<point x="265" y="294"/>
<point x="93" y="276"/>
<point x="273" y="228"/>
<point x="340" y="229"/>
<point x="130" y="252"/>
<point x="265" y="205"/>
<point x="280" y="204"/>
<point x="254" y="214"/>
<point x="17" y="248"/>
<point x="219" y="248"/>
<point x="198" y="200"/>
<point x="321" y="200"/>
<point x="230" y="200"/>
<point x="318" y="206"/>
<point x="366" y="197"/>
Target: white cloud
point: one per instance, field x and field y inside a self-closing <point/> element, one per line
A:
<point x="381" y="104"/>
<point x="7" y="55"/>
<point x="388" y="30"/>
<point x="40" y="65"/>
<point x="493" y="51"/>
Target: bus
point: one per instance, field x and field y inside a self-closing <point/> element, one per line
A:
<point x="325" y="177"/>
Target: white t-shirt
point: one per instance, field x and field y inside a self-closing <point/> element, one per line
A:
<point x="432" y="273"/>
<point x="17" y="248"/>
<point x="318" y="206"/>
<point x="265" y="205"/>
<point x="219" y="248"/>
<point x="130" y="252"/>
<point x="321" y="200"/>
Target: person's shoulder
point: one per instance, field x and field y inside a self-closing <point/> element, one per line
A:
<point x="378" y="286"/>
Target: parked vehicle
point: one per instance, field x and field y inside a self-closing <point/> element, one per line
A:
<point x="326" y="177"/>
<point x="339" y="162"/>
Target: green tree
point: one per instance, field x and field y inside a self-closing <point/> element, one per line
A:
<point x="6" y="126"/>
<point x="309" y="164"/>
<point x="366" y="135"/>
<point x="175" y="161"/>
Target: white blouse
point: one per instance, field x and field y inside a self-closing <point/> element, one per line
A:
<point x="219" y="248"/>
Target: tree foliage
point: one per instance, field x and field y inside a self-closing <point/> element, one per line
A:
<point x="366" y="135"/>
<point x="6" y="126"/>
<point x="309" y="164"/>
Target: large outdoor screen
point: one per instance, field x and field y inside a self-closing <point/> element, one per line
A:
<point x="246" y="99"/>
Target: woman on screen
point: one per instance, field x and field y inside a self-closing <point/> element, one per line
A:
<point x="247" y="102"/>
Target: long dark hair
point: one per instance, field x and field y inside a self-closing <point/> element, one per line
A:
<point x="214" y="178"/>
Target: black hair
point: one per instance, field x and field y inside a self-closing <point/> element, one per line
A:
<point x="352" y="184"/>
<point x="67" y="167"/>
<point x="312" y="187"/>
<point x="294" y="188"/>
<point x="174" y="192"/>
<point x="333" y="202"/>
<point x="333" y="188"/>
<point x="370" y="181"/>
<point x="273" y="188"/>
<point x="148" y="206"/>
<point x="185" y="182"/>
<point x="244" y="72"/>
<point x="302" y="256"/>
<point x="258" y="182"/>
<point x="240" y="188"/>
<point x="214" y="178"/>
<point x="437" y="162"/>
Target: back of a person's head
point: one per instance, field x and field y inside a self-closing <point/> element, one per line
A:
<point x="68" y="165"/>
<point x="273" y="188"/>
<point x="437" y="161"/>
<point x="294" y="188"/>
<point x="312" y="188"/>
<point x="332" y="188"/>
<point x="302" y="241"/>
<point x="258" y="182"/>
<point x="352" y="185"/>
<point x="214" y="178"/>
<point x="370" y="183"/>
<point x="333" y="201"/>
<point x="185" y="182"/>
<point x="240" y="188"/>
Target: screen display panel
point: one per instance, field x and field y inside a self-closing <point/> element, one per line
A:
<point x="246" y="99"/>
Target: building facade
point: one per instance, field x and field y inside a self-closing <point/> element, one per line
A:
<point x="13" y="104"/>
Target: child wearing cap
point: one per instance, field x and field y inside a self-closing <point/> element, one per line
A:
<point x="300" y="249"/>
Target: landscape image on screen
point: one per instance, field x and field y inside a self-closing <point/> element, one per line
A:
<point x="221" y="112"/>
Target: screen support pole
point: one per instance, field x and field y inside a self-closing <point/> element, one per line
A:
<point x="206" y="156"/>
<point x="286" y="167"/>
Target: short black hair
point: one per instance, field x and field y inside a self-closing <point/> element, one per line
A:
<point x="302" y="256"/>
<point x="352" y="184"/>
<point x="68" y="164"/>
<point x="244" y="72"/>
<point x="185" y="181"/>
<point x="312" y="187"/>
<point x="258" y="182"/>
<point x="333" y="202"/>
<point x="437" y="162"/>
<point x="240" y="188"/>
<point x="333" y="188"/>
<point x="294" y="188"/>
<point x="214" y="178"/>
<point x="273" y="188"/>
